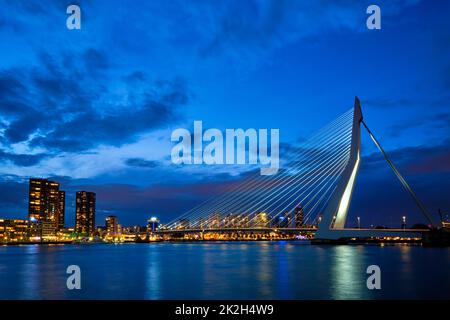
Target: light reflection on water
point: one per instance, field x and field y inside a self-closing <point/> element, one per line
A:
<point x="235" y="270"/>
<point x="348" y="273"/>
<point x="152" y="276"/>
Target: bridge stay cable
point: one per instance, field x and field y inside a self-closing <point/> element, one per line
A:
<point x="399" y="176"/>
<point x="237" y="191"/>
<point x="289" y="183"/>
<point x="235" y="198"/>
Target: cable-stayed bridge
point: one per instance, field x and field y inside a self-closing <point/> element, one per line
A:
<point x="312" y="192"/>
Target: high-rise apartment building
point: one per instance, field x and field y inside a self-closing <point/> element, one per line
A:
<point x="112" y="226"/>
<point x="46" y="206"/>
<point x="298" y="216"/>
<point x="85" y="212"/>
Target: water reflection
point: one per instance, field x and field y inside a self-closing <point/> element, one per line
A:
<point x="347" y="273"/>
<point x="264" y="271"/>
<point x="28" y="272"/>
<point x="153" y="274"/>
<point x="237" y="270"/>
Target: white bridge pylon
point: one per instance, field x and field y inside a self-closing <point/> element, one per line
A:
<point x="332" y="223"/>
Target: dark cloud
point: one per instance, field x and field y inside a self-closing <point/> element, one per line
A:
<point x="24" y="160"/>
<point x="61" y="103"/>
<point x="12" y="90"/>
<point x="90" y="129"/>
<point x="141" y="163"/>
<point x="96" y="61"/>
<point x="136" y="76"/>
<point x="440" y="120"/>
<point x="413" y="160"/>
<point x="20" y="129"/>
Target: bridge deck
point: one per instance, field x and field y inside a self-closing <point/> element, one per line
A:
<point x="227" y="230"/>
<point x="347" y="232"/>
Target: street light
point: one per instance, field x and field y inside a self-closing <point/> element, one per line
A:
<point x="404" y="222"/>
<point x="153" y="220"/>
<point x="359" y="222"/>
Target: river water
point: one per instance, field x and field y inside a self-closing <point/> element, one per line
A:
<point x="224" y="270"/>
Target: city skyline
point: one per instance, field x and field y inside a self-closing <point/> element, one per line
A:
<point x="44" y="201"/>
<point x="101" y="107"/>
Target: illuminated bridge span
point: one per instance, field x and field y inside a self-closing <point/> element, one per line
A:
<point x="311" y="192"/>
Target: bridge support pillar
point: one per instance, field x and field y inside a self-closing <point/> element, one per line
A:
<point x="335" y="213"/>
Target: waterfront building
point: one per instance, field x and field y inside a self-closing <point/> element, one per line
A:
<point x="112" y="226"/>
<point x="128" y="236"/>
<point x="48" y="229"/>
<point x="46" y="207"/>
<point x="261" y="220"/>
<point x="214" y="221"/>
<point x="244" y="221"/>
<point x="298" y="216"/>
<point x="231" y="221"/>
<point x="85" y="212"/>
<point x="12" y="230"/>
<point x="100" y="231"/>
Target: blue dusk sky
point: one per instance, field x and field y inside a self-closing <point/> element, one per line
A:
<point x="94" y="108"/>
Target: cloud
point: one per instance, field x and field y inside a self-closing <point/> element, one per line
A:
<point x="414" y="160"/>
<point x="95" y="60"/>
<point x="437" y="121"/>
<point x="24" y="160"/>
<point x="141" y="163"/>
<point x="246" y="33"/>
<point x="60" y="106"/>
